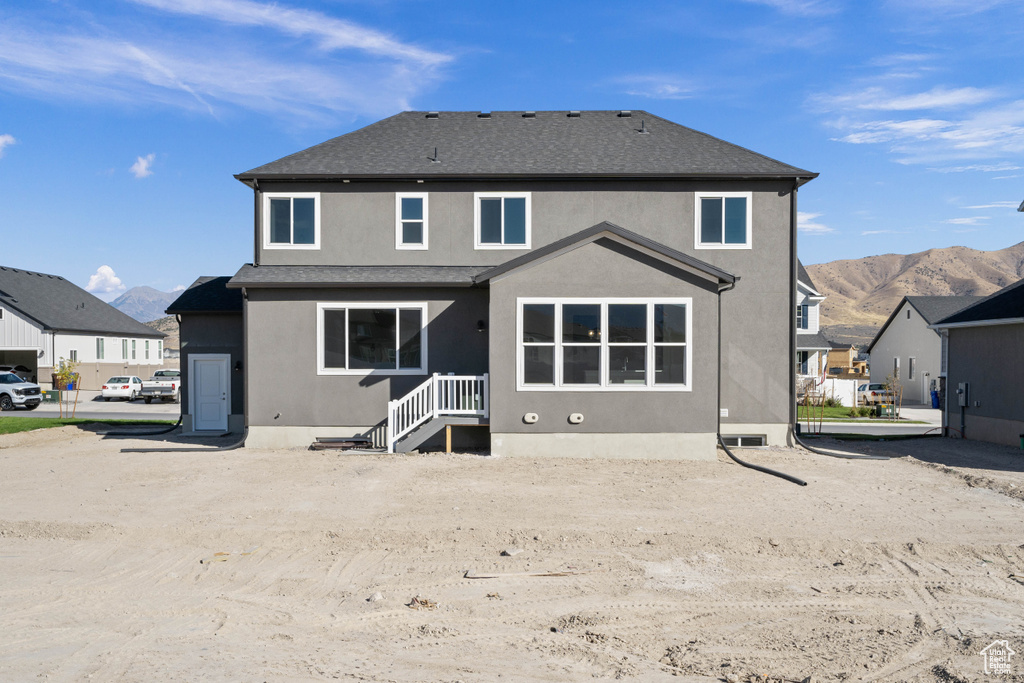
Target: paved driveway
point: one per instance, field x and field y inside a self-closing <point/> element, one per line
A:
<point x="91" y="405"/>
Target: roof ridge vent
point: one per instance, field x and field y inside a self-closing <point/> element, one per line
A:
<point x="574" y="114"/>
<point x="529" y="114"/>
<point x="433" y="115"/>
<point x="625" y="114"/>
<point x="484" y="115"/>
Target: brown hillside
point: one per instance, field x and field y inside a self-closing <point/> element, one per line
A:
<point x="862" y="292"/>
<point x="168" y="326"/>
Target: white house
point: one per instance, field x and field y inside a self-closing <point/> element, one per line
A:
<point x="44" y="318"/>
<point x="811" y="346"/>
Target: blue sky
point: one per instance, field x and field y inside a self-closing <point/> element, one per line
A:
<point x="123" y="121"/>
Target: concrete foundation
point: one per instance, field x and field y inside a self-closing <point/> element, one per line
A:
<point x="590" y="445"/>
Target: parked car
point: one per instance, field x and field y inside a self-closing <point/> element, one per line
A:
<point x="872" y="394"/>
<point x="121" y="387"/>
<point x="164" y="385"/>
<point x="19" y="370"/>
<point x="16" y="392"/>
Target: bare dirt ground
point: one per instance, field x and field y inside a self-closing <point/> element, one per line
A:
<point x="898" y="570"/>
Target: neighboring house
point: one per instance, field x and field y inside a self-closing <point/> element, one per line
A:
<point x="210" y="325"/>
<point x="44" y="318"/>
<point x="600" y="283"/>
<point x="811" y="345"/>
<point x="843" y="362"/>
<point x="906" y="347"/>
<point x="982" y="345"/>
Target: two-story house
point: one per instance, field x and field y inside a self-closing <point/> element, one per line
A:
<point x="600" y="283"/>
<point x="811" y="345"/>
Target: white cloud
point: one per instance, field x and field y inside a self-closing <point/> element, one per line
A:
<point x="984" y="168"/>
<point x="141" y="167"/>
<point x="806" y="222"/>
<point x="972" y="220"/>
<point x="879" y="232"/>
<point x="803" y="8"/>
<point x="179" y="288"/>
<point x="104" y="281"/>
<point x="995" y="205"/>
<point x="657" y="86"/>
<point x="5" y="140"/>
<point x="321" y="67"/>
<point x="881" y="99"/>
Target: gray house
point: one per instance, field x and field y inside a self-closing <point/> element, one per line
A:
<point x="983" y="368"/>
<point x="44" y="318"/>
<point x="908" y="348"/>
<point x="567" y="283"/>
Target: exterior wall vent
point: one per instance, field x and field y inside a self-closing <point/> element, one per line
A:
<point x="574" y="114"/>
<point x="433" y="115"/>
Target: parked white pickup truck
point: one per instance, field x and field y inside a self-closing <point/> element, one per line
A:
<point x="164" y="385"/>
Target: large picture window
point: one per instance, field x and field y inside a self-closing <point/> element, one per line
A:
<point x="291" y="220"/>
<point x="604" y="344"/>
<point x="502" y="220"/>
<point x="363" y="338"/>
<point x="411" y="222"/>
<point x="723" y="220"/>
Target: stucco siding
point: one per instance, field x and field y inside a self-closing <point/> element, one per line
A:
<point x="988" y="358"/>
<point x="214" y="333"/>
<point x="603" y="270"/>
<point x="284" y="387"/>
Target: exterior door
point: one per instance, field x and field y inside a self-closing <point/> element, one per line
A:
<point x="209" y="391"/>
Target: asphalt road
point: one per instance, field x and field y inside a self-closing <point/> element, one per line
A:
<point x="931" y="417"/>
<point x="91" y="406"/>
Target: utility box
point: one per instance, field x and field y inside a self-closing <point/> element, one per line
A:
<point x="883" y="410"/>
<point x="962" y="397"/>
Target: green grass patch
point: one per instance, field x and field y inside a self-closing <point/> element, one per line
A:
<point x="842" y="414"/>
<point x="13" y="425"/>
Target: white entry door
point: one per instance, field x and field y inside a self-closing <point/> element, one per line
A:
<point x="209" y="391"/>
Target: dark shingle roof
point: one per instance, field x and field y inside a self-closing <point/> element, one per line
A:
<point x="355" y="276"/>
<point x="1006" y="303"/>
<point x="208" y="295"/>
<point x="804" y="276"/>
<point x="930" y="308"/>
<point x="599" y="230"/>
<point x="511" y="144"/>
<point x="59" y="305"/>
<point x="814" y="340"/>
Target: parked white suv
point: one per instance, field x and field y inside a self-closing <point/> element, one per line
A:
<point x="15" y="392"/>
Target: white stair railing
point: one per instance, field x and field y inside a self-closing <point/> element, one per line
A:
<point x="439" y="395"/>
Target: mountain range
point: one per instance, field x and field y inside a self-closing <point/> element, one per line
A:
<point x="861" y="293"/>
<point x="144" y="303"/>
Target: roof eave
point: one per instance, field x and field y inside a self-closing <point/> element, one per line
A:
<point x="976" y="323"/>
<point x="340" y="285"/>
<point x="801" y="177"/>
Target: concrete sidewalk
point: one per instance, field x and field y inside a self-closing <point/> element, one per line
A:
<point x="931" y="417"/>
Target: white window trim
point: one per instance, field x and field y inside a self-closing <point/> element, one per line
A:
<point x="911" y="368"/>
<point x="349" y="305"/>
<point x="101" y="348"/>
<point x="267" y="196"/>
<point x="477" y="196"/>
<point x="697" y="196"/>
<point x="399" y="244"/>
<point x="604" y="386"/>
<point x="124" y="349"/>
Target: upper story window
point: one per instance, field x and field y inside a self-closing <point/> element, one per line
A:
<point x="291" y="220"/>
<point x="802" y="317"/>
<point x="723" y="220"/>
<point x="604" y="344"/>
<point x="411" y="222"/>
<point x="502" y="220"/>
<point x="364" y="338"/>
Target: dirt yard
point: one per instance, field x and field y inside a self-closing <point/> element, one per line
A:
<point x="301" y="566"/>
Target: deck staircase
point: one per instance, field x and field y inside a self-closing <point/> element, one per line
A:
<point x="441" y="401"/>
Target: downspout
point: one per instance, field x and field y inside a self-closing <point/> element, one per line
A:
<point x="792" y="309"/>
<point x="718" y="418"/>
<point x="256" y="222"/>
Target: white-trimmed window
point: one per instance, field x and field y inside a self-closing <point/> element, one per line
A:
<point x="100" y="350"/>
<point x="291" y="220"/>
<point x="911" y="368"/>
<point x="133" y="349"/>
<point x="124" y="349"/>
<point x="159" y="349"/>
<point x="411" y="220"/>
<point x="615" y="344"/>
<point x="502" y="220"/>
<point x="73" y="355"/>
<point x="803" y="317"/>
<point x="147" y="349"/>
<point x="371" y="337"/>
<point x="723" y="220"/>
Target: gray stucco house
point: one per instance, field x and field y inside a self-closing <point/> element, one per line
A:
<point x="44" y="318"/>
<point x="578" y="283"/>
<point x="906" y="346"/>
<point x="982" y="364"/>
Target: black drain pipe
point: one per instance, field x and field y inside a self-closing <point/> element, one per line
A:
<point x="721" y="442"/>
<point x="839" y="454"/>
